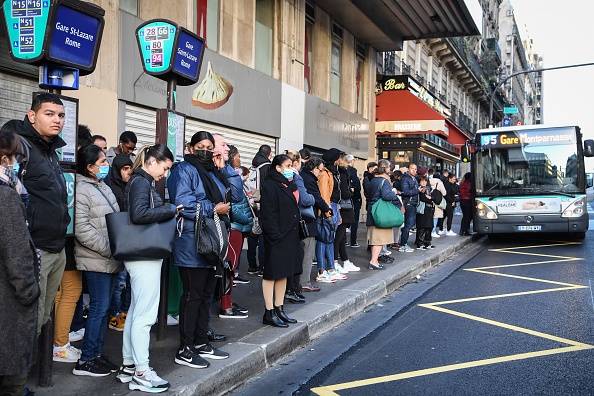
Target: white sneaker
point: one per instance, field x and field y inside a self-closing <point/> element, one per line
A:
<point x="324" y="277"/>
<point x="172" y="320"/>
<point x="66" y="354"/>
<point x="340" y="269"/>
<point x="76" y="335"/>
<point x="451" y="233"/>
<point x="435" y="235"/>
<point x="348" y="265"/>
<point x="406" y="249"/>
<point x="149" y="382"/>
<point x="336" y="275"/>
<point x="443" y="232"/>
<point x="385" y="253"/>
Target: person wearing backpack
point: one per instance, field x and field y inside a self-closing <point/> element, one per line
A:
<point x="438" y="191"/>
<point x="258" y="174"/>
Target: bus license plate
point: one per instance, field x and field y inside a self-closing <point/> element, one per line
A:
<point x="529" y="228"/>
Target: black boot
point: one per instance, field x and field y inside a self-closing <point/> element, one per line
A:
<point x="271" y="319"/>
<point x="280" y="312"/>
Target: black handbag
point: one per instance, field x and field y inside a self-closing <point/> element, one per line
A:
<point x="131" y="242"/>
<point x="345" y="204"/>
<point x="211" y="242"/>
<point x="303" y="231"/>
<point x="226" y="280"/>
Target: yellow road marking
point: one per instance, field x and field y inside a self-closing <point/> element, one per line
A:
<point x="330" y="390"/>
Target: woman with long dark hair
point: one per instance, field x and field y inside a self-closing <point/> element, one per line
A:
<point x="145" y="206"/>
<point x="279" y="211"/>
<point x="197" y="181"/>
<point x="94" y="200"/>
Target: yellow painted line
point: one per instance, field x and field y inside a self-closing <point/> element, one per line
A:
<point x="507" y="326"/>
<point x="470" y="299"/>
<point x="528" y="278"/>
<point x="330" y="390"/>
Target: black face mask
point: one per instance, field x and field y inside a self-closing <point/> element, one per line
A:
<point x="203" y="156"/>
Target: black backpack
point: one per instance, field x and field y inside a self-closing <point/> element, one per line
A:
<point x="436" y="196"/>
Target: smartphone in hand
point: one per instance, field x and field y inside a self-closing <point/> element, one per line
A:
<point x="227" y="197"/>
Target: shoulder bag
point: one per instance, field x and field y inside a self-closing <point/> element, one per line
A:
<point x="211" y="242"/>
<point x="343" y="204"/>
<point x="385" y="214"/>
<point x="256" y="229"/>
<point x="326" y="229"/>
<point x="132" y="242"/>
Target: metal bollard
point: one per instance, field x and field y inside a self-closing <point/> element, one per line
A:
<point x="45" y="353"/>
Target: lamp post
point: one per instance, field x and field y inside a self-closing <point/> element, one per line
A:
<point x="526" y="72"/>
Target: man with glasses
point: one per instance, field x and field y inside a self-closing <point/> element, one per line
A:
<point x="127" y="146"/>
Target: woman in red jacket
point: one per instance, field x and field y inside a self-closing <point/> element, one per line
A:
<point x="466" y="204"/>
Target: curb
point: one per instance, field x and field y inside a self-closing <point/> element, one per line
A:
<point x="261" y="349"/>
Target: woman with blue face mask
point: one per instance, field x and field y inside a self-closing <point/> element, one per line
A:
<point x="94" y="200"/>
<point x="279" y="213"/>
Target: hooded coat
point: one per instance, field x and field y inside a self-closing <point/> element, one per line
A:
<point x="114" y="179"/>
<point x="47" y="211"/>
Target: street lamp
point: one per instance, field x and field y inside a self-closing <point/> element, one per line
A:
<point x="526" y="72"/>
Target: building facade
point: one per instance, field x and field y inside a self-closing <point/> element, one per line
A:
<point x="296" y="73"/>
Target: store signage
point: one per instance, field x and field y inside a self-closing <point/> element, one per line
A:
<point x="63" y="32"/>
<point x="418" y="126"/>
<point x="401" y="83"/>
<point x="510" y="110"/>
<point x="169" y="51"/>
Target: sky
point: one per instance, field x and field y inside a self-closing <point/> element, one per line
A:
<point x="561" y="32"/>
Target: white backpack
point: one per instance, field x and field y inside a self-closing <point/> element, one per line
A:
<point x="253" y="181"/>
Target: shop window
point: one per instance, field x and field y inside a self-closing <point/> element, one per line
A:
<point x="207" y="25"/>
<point x="402" y="158"/>
<point x="264" y="34"/>
<point x="130" y="6"/>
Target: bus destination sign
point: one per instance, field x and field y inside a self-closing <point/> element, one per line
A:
<point x="518" y="139"/>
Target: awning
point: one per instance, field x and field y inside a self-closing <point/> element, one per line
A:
<point x="402" y="112"/>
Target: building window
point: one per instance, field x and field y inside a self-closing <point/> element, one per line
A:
<point x="335" y="73"/>
<point x="307" y="51"/>
<point x="207" y="25"/>
<point x="360" y="75"/>
<point x="130" y="6"/>
<point x="264" y="30"/>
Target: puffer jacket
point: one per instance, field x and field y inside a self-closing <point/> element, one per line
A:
<point x="91" y="250"/>
<point x="145" y="204"/>
<point x="410" y="189"/>
<point x="242" y="217"/>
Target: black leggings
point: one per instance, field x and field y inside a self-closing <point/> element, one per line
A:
<point x="466" y="206"/>
<point x="194" y="306"/>
<point x="449" y="213"/>
<point x="340" y="250"/>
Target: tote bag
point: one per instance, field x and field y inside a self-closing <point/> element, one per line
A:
<point x="132" y="242"/>
<point x="386" y="215"/>
<point x="326" y="229"/>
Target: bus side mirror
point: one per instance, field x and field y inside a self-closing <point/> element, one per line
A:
<point x="589" y="148"/>
<point x="465" y="154"/>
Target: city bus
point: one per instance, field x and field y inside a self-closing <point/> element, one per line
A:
<point x="529" y="179"/>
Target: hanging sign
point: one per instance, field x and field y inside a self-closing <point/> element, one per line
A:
<point x="169" y="51"/>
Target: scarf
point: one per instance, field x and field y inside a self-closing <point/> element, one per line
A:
<point x="10" y="179"/>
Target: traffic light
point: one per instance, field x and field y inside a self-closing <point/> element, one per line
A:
<point x="465" y="154"/>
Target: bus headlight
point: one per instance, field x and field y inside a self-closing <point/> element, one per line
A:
<point x="576" y="209"/>
<point x="485" y="212"/>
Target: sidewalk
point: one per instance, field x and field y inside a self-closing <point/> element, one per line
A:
<point x="254" y="347"/>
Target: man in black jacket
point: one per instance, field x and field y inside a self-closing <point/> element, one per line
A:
<point x="47" y="212"/>
<point x="355" y="183"/>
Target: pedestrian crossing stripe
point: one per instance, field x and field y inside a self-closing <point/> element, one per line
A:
<point x="573" y="346"/>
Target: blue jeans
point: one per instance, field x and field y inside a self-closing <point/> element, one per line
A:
<point x="325" y="254"/>
<point x="410" y="216"/>
<point x="118" y="297"/>
<point x="256" y="242"/>
<point x="100" y="289"/>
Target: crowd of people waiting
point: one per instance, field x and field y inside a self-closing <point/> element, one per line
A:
<point x="294" y="209"/>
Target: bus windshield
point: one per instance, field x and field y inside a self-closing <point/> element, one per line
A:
<point x="529" y="161"/>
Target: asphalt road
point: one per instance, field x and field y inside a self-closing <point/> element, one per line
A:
<point x="515" y="317"/>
